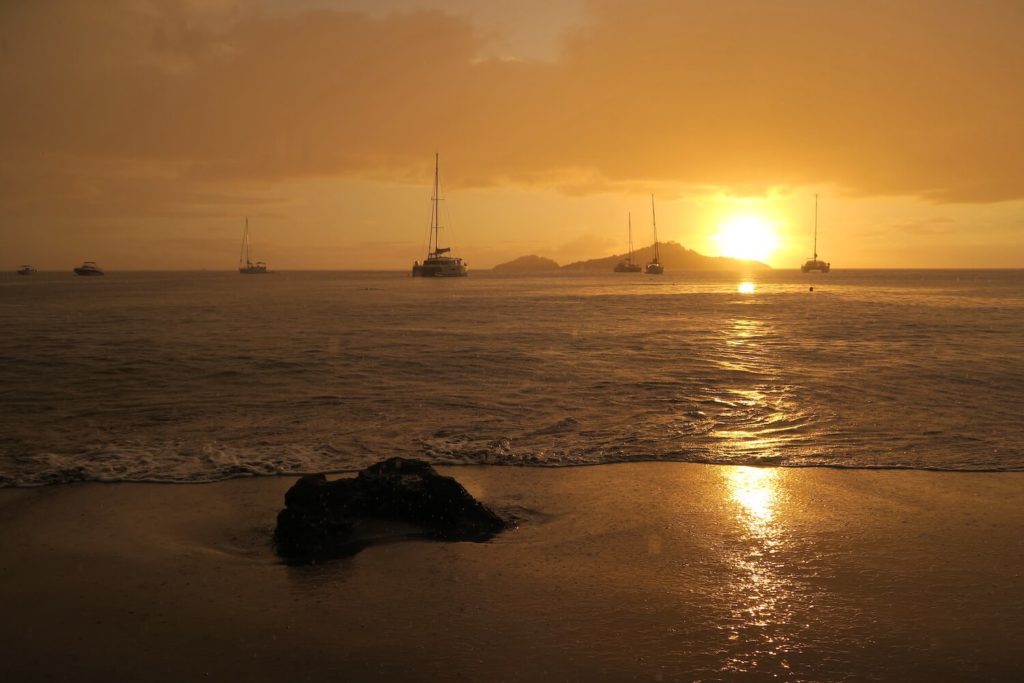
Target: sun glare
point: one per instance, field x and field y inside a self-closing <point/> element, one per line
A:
<point x="747" y="236"/>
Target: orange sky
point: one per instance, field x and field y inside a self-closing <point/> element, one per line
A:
<point x="140" y="133"/>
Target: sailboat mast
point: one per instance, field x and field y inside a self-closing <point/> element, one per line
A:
<point x="654" y="222"/>
<point x="629" y="219"/>
<point x="815" y="226"/>
<point x="435" y="219"/>
<point x="243" y="254"/>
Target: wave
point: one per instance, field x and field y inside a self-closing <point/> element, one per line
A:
<point x="166" y="466"/>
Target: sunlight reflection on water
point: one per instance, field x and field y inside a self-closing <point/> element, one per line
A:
<point x="760" y="419"/>
<point x="763" y="594"/>
<point x="754" y="489"/>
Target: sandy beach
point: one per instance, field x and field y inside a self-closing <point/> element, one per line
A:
<point x="653" y="572"/>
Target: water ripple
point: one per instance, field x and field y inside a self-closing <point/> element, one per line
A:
<point x="330" y="371"/>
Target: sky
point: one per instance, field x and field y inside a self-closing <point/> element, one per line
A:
<point x="141" y="133"/>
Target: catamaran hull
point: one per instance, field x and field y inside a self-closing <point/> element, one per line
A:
<point x="653" y="269"/>
<point x="439" y="271"/>
<point x="819" y="266"/>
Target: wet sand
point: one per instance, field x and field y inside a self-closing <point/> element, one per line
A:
<point x="652" y="572"/>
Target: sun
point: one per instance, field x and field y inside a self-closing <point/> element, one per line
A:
<point x="747" y="236"/>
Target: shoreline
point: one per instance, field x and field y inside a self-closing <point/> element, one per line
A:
<point x="763" y="464"/>
<point x="628" y="571"/>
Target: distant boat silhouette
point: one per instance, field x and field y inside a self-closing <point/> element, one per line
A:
<point x="249" y="268"/>
<point x="437" y="264"/>
<point x="814" y="263"/>
<point x="654" y="267"/>
<point x="26" y="270"/>
<point x="88" y="268"/>
<point x="628" y="266"/>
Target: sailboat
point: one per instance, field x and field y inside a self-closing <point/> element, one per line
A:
<point x="654" y="267"/>
<point x="814" y="263"/>
<point x="438" y="263"/>
<point x="245" y="264"/>
<point x="628" y="266"/>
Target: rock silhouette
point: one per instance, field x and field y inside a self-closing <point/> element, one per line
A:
<point x="395" y="498"/>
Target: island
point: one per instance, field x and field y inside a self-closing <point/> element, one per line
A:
<point x="527" y="264"/>
<point x="674" y="256"/>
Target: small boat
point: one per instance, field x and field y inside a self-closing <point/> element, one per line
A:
<point x="654" y="267"/>
<point x="438" y="263"/>
<point x="814" y="263"/>
<point x="26" y="270"/>
<point x="628" y="266"/>
<point x="88" y="268"/>
<point x="245" y="263"/>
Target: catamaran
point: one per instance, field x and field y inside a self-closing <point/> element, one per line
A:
<point x="654" y="267"/>
<point x="26" y="270"/>
<point x="438" y="263"/>
<point x="245" y="263"/>
<point x="628" y="266"/>
<point x="814" y="263"/>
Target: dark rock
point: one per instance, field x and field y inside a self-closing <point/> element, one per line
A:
<point x="323" y="519"/>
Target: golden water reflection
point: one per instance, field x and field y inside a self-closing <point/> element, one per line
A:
<point x="761" y="592"/>
<point x="746" y="288"/>
<point x="743" y="330"/>
<point x="759" y="418"/>
<point x="754" y="488"/>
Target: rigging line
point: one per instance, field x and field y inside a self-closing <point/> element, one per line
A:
<point x="433" y="209"/>
<point x="430" y="224"/>
<point x="429" y="229"/>
<point x="245" y="243"/>
<point x="449" y="224"/>
<point x="815" y="226"/>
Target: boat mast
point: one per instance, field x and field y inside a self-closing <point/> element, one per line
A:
<point x="435" y="217"/>
<point x="815" y="226"/>
<point x="654" y="222"/>
<point x="629" y="259"/>
<point x="244" y="253"/>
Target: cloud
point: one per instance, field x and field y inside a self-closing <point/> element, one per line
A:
<point x="925" y="227"/>
<point x="583" y="246"/>
<point x="878" y="98"/>
<point x="506" y="29"/>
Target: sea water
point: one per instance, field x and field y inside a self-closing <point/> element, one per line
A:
<point x="200" y="376"/>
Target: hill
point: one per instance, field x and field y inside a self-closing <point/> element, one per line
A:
<point x="674" y="256"/>
<point x="527" y="264"/>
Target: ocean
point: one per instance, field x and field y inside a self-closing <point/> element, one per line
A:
<point x="202" y="376"/>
